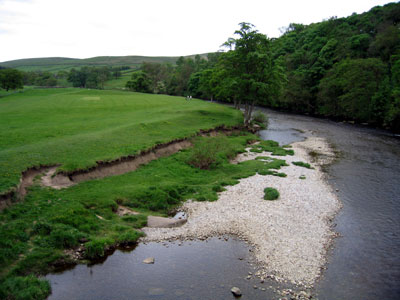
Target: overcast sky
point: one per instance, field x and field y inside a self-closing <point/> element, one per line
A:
<point x="88" y="28"/>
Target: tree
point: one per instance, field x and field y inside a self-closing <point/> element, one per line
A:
<point x="354" y="89"/>
<point x="11" y="79"/>
<point x="139" y="82"/>
<point x="249" y="62"/>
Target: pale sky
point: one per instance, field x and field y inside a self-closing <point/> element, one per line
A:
<point x="88" y="28"/>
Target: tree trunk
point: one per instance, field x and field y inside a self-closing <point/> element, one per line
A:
<point x="248" y="112"/>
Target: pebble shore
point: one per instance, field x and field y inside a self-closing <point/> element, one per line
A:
<point x="291" y="235"/>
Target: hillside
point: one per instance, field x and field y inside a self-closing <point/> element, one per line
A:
<point x="55" y="64"/>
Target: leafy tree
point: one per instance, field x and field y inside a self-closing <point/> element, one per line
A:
<point x="249" y="62"/>
<point x="139" y="82"/>
<point x="11" y="79"/>
<point x="352" y="90"/>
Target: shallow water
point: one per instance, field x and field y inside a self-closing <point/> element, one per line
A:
<point x="188" y="270"/>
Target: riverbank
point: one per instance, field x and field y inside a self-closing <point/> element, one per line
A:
<point x="291" y="235"/>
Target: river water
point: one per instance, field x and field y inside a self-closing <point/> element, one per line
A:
<point x="365" y="261"/>
<point x="363" y="264"/>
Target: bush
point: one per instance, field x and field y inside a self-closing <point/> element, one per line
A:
<point x="24" y="288"/>
<point x="210" y="152"/>
<point x="260" y="119"/>
<point x="271" y="194"/>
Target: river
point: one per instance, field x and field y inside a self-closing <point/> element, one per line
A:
<point x="364" y="262"/>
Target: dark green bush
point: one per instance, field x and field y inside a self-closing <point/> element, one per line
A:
<point x="271" y="193"/>
<point x="210" y="152"/>
<point x="24" y="288"/>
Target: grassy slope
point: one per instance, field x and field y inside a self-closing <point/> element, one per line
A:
<point x="120" y="82"/>
<point x="76" y="128"/>
<point x="55" y="64"/>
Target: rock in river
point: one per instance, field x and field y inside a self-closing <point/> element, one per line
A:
<point x="149" y="260"/>
<point x="236" y="291"/>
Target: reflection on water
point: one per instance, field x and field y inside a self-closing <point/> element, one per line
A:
<point x="188" y="270"/>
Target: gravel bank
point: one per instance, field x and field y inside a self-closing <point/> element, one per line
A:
<point x="290" y="235"/>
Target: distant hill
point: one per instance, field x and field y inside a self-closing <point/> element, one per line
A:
<point x="54" y="64"/>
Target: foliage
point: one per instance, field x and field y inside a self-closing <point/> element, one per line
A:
<point x="89" y="77"/>
<point x="343" y="67"/>
<point x="249" y="63"/>
<point x="209" y="152"/>
<point x="271" y="193"/>
<point x="24" y="288"/>
<point x="11" y="79"/>
<point x="139" y="82"/>
<point x="260" y="119"/>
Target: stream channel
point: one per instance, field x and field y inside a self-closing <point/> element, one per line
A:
<point x="364" y="262"/>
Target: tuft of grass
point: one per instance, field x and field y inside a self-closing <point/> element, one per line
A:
<point x="302" y="164"/>
<point x="260" y="119"/>
<point x="24" y="288"/>
<point x="271" y="146"/>
<point x="302" y="177"/>
<point x="271" y="193"/>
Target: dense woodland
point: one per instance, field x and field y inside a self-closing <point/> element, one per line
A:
<point x="341" y="68"/>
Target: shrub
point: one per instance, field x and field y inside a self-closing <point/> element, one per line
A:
<point x="24" y="288"/>
<point x="260" y="119"/>
<point x="210" y="152"/>
<point x="271" y="194"/>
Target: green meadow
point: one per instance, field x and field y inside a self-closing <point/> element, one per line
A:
<point x="75" y="128"/>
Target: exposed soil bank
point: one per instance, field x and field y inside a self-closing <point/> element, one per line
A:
<point x="290" y="235"/>
<point x="102" y="169"/>
<point x="21" y="190"/>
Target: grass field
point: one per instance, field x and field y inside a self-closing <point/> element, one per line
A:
<point x="75" y="127"/>
<point x="120" y="82"/>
